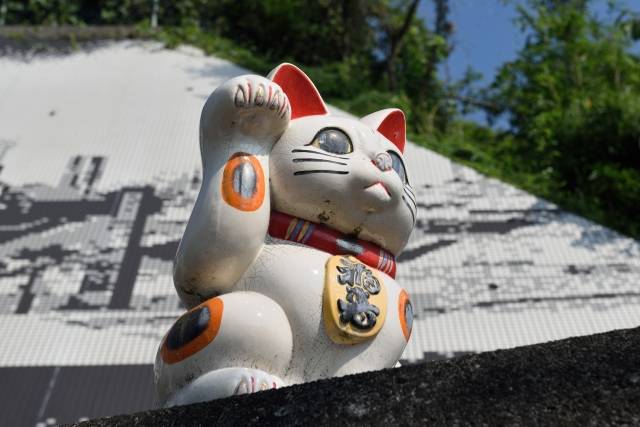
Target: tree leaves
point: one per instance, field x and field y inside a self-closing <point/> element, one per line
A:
<point x="572" y="97"/>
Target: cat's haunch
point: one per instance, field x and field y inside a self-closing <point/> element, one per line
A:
<point x="288" y="259"/>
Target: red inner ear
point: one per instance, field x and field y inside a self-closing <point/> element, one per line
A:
<point x="393" y="127"/>
<point x="303" y="95"/>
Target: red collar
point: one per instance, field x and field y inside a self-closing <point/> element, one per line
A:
<point x="287" y="227"/>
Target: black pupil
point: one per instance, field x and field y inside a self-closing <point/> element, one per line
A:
<point x="396" y="164"/>
<point x="408" y="315"/>
<point x="188" y="327"/>
<point x="334" y="141"/>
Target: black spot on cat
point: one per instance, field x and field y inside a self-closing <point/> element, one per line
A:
<point x="357" y="230"/>
<point x="323" y="217"/>
<point x="188" y="327"/>
<point x="492" y="286"/>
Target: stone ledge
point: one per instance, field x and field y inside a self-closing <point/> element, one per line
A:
<point x="64" y="32"/>
<point x="585" y="380"/>
<point x="27" y="41"/>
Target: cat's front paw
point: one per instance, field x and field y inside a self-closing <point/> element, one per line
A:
<point x="252" y="380"/>
<point x="263" y="108"/>
<point x="223" y="383"/>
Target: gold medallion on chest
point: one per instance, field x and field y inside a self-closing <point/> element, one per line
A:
<point x="354" y="303"/>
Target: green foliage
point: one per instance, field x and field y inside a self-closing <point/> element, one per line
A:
<point x="431" y="108"/>
<point x="313" y="33"/>
<point x="369" y="101"/>
<point x="573" y="100"/>
<point x="340" y="44"/>
<point x="116" y="12"/>
<point x="42" y="12"/>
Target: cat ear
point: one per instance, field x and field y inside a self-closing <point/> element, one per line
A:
<point x="303" y="96"/>
<point x="391" y="124"/>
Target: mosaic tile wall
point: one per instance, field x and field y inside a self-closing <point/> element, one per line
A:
<point x="99" y="171"/>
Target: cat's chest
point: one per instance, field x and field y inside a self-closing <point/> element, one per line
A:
<point x="349" y="297"/>
<point x="344" y="314"/>
<point x="285" y="267"/>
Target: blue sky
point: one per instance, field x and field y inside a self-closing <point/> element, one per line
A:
<point x="486" y="35"/>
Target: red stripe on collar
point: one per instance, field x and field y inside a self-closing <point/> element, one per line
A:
<point x="287" y="227"/>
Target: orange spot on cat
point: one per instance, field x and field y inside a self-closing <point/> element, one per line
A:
<point x="405" y="311"/>
<point x="243" y="182"/>
<point x="188" y="323"/>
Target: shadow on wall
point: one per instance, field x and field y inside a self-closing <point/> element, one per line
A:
<point x="220" y="71"/>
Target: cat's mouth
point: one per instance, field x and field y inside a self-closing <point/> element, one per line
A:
<point x="377" y="196"/>
<point x="378" y="187"/>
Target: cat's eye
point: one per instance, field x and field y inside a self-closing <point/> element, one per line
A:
<point x="398" y="166"/>
<point x="333" y="141"/>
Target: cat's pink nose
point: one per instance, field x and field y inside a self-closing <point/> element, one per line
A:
<point x="383" y="161"/>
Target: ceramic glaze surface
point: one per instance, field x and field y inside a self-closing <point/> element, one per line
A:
<point x="288" y="259"/>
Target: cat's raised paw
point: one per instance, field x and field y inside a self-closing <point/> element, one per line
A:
<point x="259" y="108"/>
<point x="248" y="108"/>
<point x="262" y="93"/>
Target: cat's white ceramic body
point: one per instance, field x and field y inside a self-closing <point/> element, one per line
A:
<point x="288" y="257"/>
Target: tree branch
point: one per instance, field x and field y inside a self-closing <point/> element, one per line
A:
<point x="395" y="40"/>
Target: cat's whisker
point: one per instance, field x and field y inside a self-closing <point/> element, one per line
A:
<point x="411" y="202"/>
<point x="413" y="214"/>
<point x="319" y="160"/>
<point x="299" y="150"/>
<point x="410" y="190"/>
<point x="321" y="171"/>
<point x="410" y="196"/>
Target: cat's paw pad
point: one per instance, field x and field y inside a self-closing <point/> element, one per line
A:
<point x="262" y="93"/>
<point x="262" y="108"/>
<point x="253" y="380"/>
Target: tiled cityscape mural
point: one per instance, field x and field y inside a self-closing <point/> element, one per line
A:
<point x="99" y="171"/>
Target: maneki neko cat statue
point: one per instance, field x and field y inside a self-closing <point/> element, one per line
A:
<point x="288" y="260"/>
